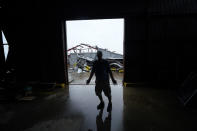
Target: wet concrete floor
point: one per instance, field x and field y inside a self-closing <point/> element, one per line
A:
<point x="74" y="109"/>
<point x="84" y="101"/>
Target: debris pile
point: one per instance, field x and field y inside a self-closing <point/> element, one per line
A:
<point x="82" y="56"/>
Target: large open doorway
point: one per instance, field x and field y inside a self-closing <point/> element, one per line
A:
<point x="85" y="38"/>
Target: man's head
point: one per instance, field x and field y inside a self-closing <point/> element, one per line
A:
<point x="99" y="55"/>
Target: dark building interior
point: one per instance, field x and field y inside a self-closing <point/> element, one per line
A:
<point x="159" y="63"/>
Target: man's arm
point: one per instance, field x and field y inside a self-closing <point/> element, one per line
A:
<point x="111" y="75"/>
<point x="91" y="74"/>
<point x="89" y="79"/>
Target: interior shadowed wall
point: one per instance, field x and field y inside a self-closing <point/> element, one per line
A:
<point x="159" y="40"/>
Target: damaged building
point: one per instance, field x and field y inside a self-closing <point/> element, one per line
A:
<point x="85" y="54"/>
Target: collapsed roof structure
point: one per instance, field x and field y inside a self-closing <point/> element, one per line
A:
<point x="84" y="54"/>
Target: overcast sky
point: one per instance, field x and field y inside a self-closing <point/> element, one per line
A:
<point x="105" y="33"/>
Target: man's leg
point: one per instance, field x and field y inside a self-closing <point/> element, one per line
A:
<point x="107" y="92"/>
<point x="98" y="92"/>
<point x="101" y="105"/>
<point x="109" y="107"/>
<point x="100" y="97"/>
<point x="109" y="97"/>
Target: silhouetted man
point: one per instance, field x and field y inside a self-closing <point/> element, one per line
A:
<point x="102" y="71"/>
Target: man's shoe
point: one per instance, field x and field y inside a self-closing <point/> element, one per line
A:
<point x="109" y="107"/>
<point x="101" y="105"/>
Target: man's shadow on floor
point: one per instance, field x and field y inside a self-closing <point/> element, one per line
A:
<point x="103" y="125"/>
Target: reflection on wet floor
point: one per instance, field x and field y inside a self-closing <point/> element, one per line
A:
<point x="103" y="125"/>
<point x="72" y="109"/>
<point x="83" y="100"/>
<point x="75" y="109"/>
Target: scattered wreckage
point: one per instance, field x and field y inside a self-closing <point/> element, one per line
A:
<point x="81" y="59"/>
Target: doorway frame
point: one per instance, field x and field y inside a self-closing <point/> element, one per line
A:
<point x="64" y="41"/>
